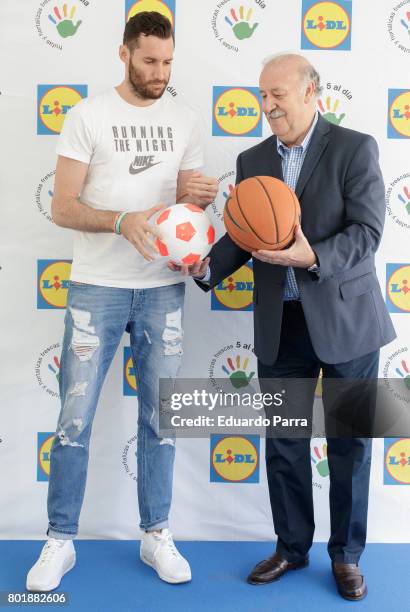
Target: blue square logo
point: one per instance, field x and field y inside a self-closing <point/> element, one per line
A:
<point x="53" y="104"/>
<point x="326" y="25"/>
<point x="129" y="385"/>
<point x="396" y="461"/>
<point x="234" y="459"/>
<point x="53" y="277"/>
<point x="44" y="443"/>
<point x="165" y="7"/>
<point x="398" y="287"/>
<point x="236" y="111"/>
<point x="235" y="292"/>
<point x="398" y="120"/>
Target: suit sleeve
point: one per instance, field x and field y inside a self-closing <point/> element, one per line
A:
<point x="365" y="213"/>
<point x="226" y="256"/>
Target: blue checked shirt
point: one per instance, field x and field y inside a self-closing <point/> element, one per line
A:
<point x="292" y="161"/>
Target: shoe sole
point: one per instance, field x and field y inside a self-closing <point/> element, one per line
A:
<point x="298" y="567"/>
<point x="353" y="598"/>
<point x="162" y="576"/>
<point x="54" y="586"/>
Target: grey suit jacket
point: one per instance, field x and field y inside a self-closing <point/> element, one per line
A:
<point x="341" y="193"/>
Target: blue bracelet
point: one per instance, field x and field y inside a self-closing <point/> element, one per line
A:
<point x="118" y="223"/>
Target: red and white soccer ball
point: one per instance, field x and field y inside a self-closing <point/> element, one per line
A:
<point x="187" y="234"/>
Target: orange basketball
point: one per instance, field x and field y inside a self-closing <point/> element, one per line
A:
<point x="261" y="213"/>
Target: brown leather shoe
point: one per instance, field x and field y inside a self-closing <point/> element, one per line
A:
<point x="272" y="569"/>
<point x="350" y="581"/>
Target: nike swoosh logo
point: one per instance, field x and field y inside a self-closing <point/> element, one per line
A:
<point x="134" y="170"/>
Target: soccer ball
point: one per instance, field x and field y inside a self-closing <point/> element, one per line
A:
<point x="187" y="234"/>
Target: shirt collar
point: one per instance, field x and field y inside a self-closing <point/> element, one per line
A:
<point x="281" y="147"/>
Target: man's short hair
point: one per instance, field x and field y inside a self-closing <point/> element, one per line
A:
<point x="146" y="23"/>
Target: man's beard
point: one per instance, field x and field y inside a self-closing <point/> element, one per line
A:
<point x="144" y="89"/>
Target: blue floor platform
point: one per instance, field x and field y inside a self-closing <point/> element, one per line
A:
<point x="109" y="577"/>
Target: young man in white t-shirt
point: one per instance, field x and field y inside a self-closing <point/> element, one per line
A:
<point x="123" y="154"/>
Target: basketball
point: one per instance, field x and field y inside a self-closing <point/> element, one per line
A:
<point x="262" y="213"/>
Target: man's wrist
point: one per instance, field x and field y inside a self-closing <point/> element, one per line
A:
<point x="204" y="278"/>
<point x="315" y="267"/>
<point x="118" y="220"/>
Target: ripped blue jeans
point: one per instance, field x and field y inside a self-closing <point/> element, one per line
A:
<point x="95" y="321"/>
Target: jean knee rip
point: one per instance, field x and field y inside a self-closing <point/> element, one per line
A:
<point x="76" y="426"/>
<point x="173" y="334"/>
<point x="84" y="342"/>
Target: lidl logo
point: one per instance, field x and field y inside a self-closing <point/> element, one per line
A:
<point x="235" y="292"/>
<point x="234" y="459"/>
<point x="399" y="114"/>
<point x="53" y="277"/>
<point x="236" y="111"/>
<point x="53" y="104"/>
<point x="398" y="287"/>
<point x="165" y="7"/>
<point x="397" y="461"/>
<point x="326" y="25"/>
<point x="44" y="442"/>
<point x="129" y="385"/>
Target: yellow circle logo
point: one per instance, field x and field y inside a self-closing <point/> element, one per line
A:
<point x="326" y="25"/>
<point x="53" y="283"/>
<point x="44" y="455"/>
<point x="151" y="5"/>
<point x="235" y="458"/>
<point x="398" y="287"/>
<point x="398" y="461"/>
<point x="399" y="114"/>
<point x="54" y="106"/>
<point x="237" y="111"/>
<point x="236" y="291"/>
<point x="130" y="374"/>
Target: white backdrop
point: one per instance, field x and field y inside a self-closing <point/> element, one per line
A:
<point x="357" y="84"/>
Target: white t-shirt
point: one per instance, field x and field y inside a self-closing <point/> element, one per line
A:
<point x="134" y="155"/>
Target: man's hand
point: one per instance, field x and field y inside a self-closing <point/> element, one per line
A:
<point x="201" y="189"/>
<point x="197" y="269"/>
<point x="136" y="229"/>
<point x="299" y="255"/>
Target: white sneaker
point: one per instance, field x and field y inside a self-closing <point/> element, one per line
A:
<point x="55" y="560"/>
<point x="159" y="551"/>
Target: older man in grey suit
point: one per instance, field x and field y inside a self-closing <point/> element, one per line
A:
<point x="317" y="305"/>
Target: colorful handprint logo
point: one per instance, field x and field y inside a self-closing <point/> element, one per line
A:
<point x="241" y="27"/>
<point x="53" y="369"/>
<point x="320" y="460"/>
<point x="230" y="189"/>
<point x="237" y="374"/>
<point x="64" y="23"/>
<point x="330" y="114"/>
<point x="404" y="373"/>
<point x="405" y="201"/>
<point x="405" y="24"/>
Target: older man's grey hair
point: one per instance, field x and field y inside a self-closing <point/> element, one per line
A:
<point x="308" y="73"/>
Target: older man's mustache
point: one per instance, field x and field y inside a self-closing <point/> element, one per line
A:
<point x="275" y="114"/>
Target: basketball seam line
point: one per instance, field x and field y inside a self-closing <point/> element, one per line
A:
<point x="295" y="209"/>
<point x="244" y="216"/>
<point x="228" y="212"/>
<point x="273" y="212"/>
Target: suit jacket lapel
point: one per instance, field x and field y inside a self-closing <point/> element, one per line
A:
<point x="319" y="142"/>
<point x="270" y="162"/>
<point x="276" y="162"/>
